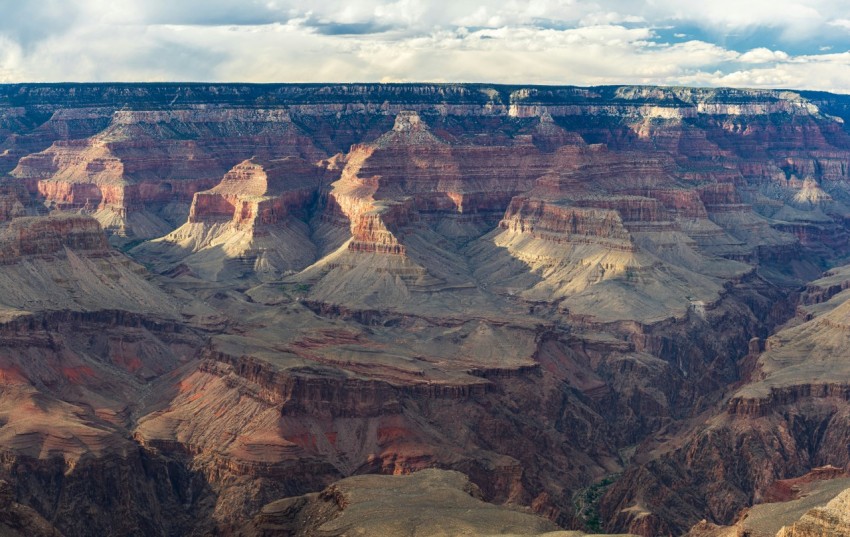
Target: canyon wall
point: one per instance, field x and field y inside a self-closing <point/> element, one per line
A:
<point x="587" y="300"/>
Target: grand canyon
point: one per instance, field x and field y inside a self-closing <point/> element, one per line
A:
<point x="423" y="309"/>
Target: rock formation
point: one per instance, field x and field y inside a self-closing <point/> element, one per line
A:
<point x="428" y="502"/>
<point x="134" y="175"/>
<point x="793" y="405"/>
<point x="831" y="520"/>
<point x="18" y="520"/>
<point x="604" y="305"/>
<point x="252" y="222"/>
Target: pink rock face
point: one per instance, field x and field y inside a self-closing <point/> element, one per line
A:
<point x="145" y="160"/>
<point x="720" y="197"/>
<point x="210" y="206"/>
<point x="12" y="201"/>
<point x="549" y="221"/>
<point x="256" y="193"/>
<point x="682" y="203"/>
<point x="409" y="174"/>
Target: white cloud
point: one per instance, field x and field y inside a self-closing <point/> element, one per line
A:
<point x="763" y="55"/>
<point x="798" y="19"/>
<point x="510" y="41"/>
<point x="840" y="23"/>
<point x="829" y="72"/>
<point x="11" y="61"/>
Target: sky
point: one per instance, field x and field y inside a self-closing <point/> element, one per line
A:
<point x="740" y="43"/>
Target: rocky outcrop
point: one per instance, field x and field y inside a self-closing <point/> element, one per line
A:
<point x="147" y="161"/>
<point x="13" y="201"/>
<point x="831" y="520"/>
<point x="794" y="405"/>
<point x="387" y="182"/>
<point x="63" y="262"/>
<point x="778" y="397"/>
<point x="426" y="502"/>
<point x="790" y="500"/>
<point x="256" y="193"/>
<point x="347" y="414"/>
<point x="253" y="223"/>
<point x="550" y="221"/>
<point x="18" y="520"/>
<point x="46" y="236"/>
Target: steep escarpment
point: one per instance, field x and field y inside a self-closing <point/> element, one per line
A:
<point x="793" y="405"/>
<point x="408" y="199"/>
<point x="46" y="236"/>
<point x="136" y="174"/>
<point x="789" y="500"/>
<point x="317" y="403"/>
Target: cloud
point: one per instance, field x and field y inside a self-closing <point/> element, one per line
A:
<point x="793" y="15"/>
<point x="25" y="23"/>
<point x="348" y="28"/>
<point x="610" y="17"/>
<point x="184" y="12"/>
<point x="840" y="23"/>
<point x="761" y="43"/>
<point x="763" y="55"/>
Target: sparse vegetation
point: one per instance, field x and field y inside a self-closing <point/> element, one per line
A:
<point x="586" y="502"/>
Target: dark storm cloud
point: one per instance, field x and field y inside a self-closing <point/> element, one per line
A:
<point x="29" y="22"/>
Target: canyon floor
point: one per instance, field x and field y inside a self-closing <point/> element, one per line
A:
<point x="417" y="310"/>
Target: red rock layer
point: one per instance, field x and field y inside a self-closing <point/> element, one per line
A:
<point x="409" y="173"/>
<point x="550" y="221"/>
<point x="147" y="159"/>
<point x="258" y="193"/>
<point x="45" y="236"/>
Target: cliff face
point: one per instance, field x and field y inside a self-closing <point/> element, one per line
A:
<point x="145" y="164"/>
<point x="83" y="335"/>
<point x="792" y="403"/>
<point x="253" y="222"/>
<point x="45" y="236"/>
<point x="571" y="295"/>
